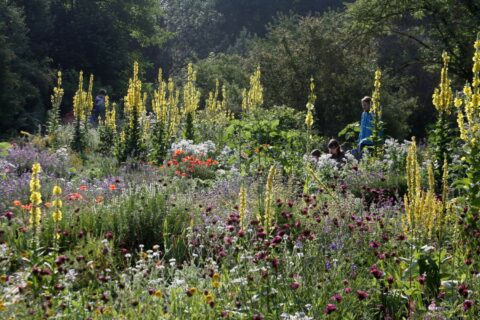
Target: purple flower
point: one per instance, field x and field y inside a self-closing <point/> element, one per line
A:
<point x="330" y="308"/>
<point x="362" y="295"/>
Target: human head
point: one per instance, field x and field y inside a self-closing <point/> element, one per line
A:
<point x="102" y="92"/>
<point x="366" y="101"/>
<point x="333" y="147"/>
<point x="315" y="154"/>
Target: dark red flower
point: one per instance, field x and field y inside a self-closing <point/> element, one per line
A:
<point x="330" y="308"/>
<point x="377" y="273"/>
<point x="337" y="297"/>
<point x="467" y="304"/>
<point x="362" y="295"/>
<point x="295" y="285"/>
<point x="463" y="290"/>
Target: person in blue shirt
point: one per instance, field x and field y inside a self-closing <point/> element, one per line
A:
<point x="98" y="107"/>
<point x="366" y="122"/>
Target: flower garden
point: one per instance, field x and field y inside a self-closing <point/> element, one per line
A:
<point x="168" y="209"/>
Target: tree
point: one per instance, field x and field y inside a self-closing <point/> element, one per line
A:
<point x="433" y="26"/>
<point x="297" y="48"/>
<point x="23" y="78"/>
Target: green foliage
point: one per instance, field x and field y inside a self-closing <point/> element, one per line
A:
<point x="24" y="77"/>
<point x="189" y="128"/>
<point x="79" y="142"/>
<point x="4" y="146"/>
<point x="159" y="147"/>
<point x="350" y="133"/>
<point x="264" y="137"/>
<point x="107" y="138"/>
<point x="131" y="145"/>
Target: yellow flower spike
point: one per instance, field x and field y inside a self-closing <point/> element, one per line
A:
<point x="242" y="208"/>
<point x="310" y="105"/>
<point x="458" y="102"/>
<point x="57" y="216"/>
<point x="443" y="95"/>
<point x="253" y="98"/>
<point x="269" y="211"/>
<point x="376" y="94"/>
<point x="191" y="95"/>
<point x="57" y="191"/>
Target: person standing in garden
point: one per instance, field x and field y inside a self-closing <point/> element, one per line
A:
<point x="365" y="126"/>
<point x="99" y="107"/>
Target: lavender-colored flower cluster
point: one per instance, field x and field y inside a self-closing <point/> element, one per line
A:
<point x="22" y="159"/>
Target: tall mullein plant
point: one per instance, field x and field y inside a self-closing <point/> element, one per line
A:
<point x="107" y="128"/>
<point x="82" y="106"/>
<point x="309" y="123"/>
<point x="131" y="139"/>
<point x="309" y="117"/>
<point x="468" y="107"/>
<point x="53" y="122"/>
<point x="442" y="136"/>
<point x="377" y="124"/>
<point x="191" y="99"/>
<point x="167" y="118"/>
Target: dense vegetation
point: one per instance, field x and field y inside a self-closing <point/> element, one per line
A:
<point x="339" y="44"/>
<point x="189" y="190"/>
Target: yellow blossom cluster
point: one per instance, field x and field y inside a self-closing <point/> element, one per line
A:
<point x="83" y="100"/>
<point x="469" y="116"/>
<point x="253" y="98"/>
<point x="443" y="95"/>
<point x="191" y="95"/>
<point x="269" y="210"/>
<point x="217" y="110"/>
<point x="310" y="105"/>
<point x="242" y="207"/>
<point x="376" y="94"/>
<point x="134" y="100"/>
<point x="165" y="105"/>
<point x="56" y="97"/>
<point x="424" y="212"/>
<point x="57" y="204"/>
<point x="110" y="115"/>
<point x="35" y="196"/>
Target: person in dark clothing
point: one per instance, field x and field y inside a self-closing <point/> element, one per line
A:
<point x="336" y="152"/>
<point x="99" y="107"/>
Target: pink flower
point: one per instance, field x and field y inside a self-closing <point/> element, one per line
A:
<point x="295" y="285"/>
<point x="422" y="279"/>
<point x="330" y="308"/>
<point x="362" y="295"/>
<point x="337" y="297"/>
<point x="377" y="273"/>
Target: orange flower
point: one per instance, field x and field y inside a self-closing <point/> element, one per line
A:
<point x="83" y="188"/>
<point x="17" y="203"/>
<point x="99" y="199"/>
<point x="112" y="187"/>
<point x="74" y="196"/>
<point x="48" y="204"/>
<point x="27" y="206"/>
<point x="178" y="152"/>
